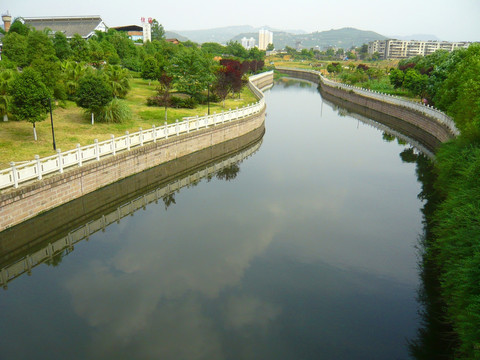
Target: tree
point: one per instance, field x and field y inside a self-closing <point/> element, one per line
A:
<point x="270" y="47"/>
<point x="80" y="49"/>
<point x="396" y="78"/>
<point x="6" y="78"/>
<point x="39" y="46"/>
<point x="164" y="90"/>
<point x="19" y="27"/>
<point x="29" y="98"/>
<point x="15" y="48"/>
<point x="61" y="46"/>
<point x="49" y="69"/>
<point x="150" y="68"/>
<point x="213" y="48"/>
<point x="93" y="94"/>
<point x="191" y="71"/>
<point x="158" y="32"/>
<point x="222" y="85"/>
<point x="415" y="82"/>
<point x="119" y="80"/>
<point x="234" y="48"/>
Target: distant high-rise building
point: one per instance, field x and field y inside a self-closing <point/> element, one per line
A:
<point x="265" y="37"/>
<point x="403" y="49"/>
<point x="248" y="43"/>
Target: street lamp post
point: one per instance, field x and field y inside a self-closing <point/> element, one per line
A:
<point x="51" y="120"/>
<point x="208" y="98"/>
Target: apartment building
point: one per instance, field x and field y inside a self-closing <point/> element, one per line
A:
<point x="265" y="37"/>
<point x="403" y="49"/>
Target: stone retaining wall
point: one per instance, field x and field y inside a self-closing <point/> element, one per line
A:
<point x="422" y="121"/>
<point x="20" y="204"/>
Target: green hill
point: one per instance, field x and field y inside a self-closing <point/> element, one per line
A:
<point x="342" y="38"/>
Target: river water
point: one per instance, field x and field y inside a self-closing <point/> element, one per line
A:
<point x="304" y="250"/>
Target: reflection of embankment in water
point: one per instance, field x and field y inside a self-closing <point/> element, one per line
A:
<point x="31" y="243"/>
<point x="419" y="139"/>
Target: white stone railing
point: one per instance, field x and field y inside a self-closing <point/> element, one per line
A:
<point x="427" y="110"/>
<point x="21" y="172"/>
<point x="66" y="243"/>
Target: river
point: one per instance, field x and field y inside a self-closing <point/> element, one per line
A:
<point x="306" y="249"/>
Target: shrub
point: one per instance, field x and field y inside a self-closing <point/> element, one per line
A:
<point x="116" y="111"/>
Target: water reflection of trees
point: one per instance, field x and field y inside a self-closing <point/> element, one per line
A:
<point x="435" y="338"/>
<point x="228" y="173"/>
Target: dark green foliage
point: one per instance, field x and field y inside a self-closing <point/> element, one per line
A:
<point x="39" y="46"/>
<point x="457" y="248"/>
<point x="150" y="69"/>
<point x="80" y="49"/>
<point x="214" y="48"/>
<point x="19" y="27"/>
<point x="158" y="32"/>
<point x="61" y="46"/>
<point x="396" y="78"/>
<point x="15" y="48"/>
<point x="93" y="93"/>
<point x="29" y="96"/>
<point x="49" y="69"/>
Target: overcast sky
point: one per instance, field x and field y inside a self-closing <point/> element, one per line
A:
<point x="447" y="19"/>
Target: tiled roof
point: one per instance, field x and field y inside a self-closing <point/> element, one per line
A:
<point x="85" y="26"/>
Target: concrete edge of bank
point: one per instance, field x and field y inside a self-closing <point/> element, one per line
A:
<point x="426" y="123"/>
<point x="29" y="200"/>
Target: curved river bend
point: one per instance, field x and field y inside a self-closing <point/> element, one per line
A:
<point x="305" y="250"/>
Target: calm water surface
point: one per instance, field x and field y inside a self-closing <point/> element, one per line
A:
<point x="309" y="253"/>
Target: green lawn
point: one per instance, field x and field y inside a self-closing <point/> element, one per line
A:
<point x="72" y="127"/>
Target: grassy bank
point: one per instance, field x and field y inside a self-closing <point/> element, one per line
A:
<point x="72" y="127"/>
<point x="456" y="249"/>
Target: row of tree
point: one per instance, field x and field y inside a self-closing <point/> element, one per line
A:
<point x="449" y="81"/>
<point x="93" y="72"/>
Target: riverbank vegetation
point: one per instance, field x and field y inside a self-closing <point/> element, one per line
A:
<point x="108" y="85"/>
<point x="451" y="82"/>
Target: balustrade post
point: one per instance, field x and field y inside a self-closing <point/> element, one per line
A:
<point x="60" y="161"/>
<point x="14" y="175"/>
<point x="223" y="117"/>
<point x="215" y="118"/>
<point x="176" y="127"/>
<point x="165" y="129"/>
<point x="154" y="133"/>
<point x="127" y="140"/>
<point x="114" y="151"/>
<point x="141" y="136"/>
<point x="187" y="124"/>
<point x="97" y="150"/>
<point x="79" y="155"/>
<point x="39" y="167"/>
<point x="206" y="121"/>
<point x="196" y="121"/>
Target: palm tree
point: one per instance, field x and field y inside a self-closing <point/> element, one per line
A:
<point x="73" y="72"/>
<point x="119" y="80"/>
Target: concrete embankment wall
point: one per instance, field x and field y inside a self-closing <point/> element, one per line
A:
<point x="36" y="233"/>
<point x="425" y="123"/>
<point x="25" y="202"/>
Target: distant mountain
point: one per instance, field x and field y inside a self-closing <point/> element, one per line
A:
<point x="224" y="34"/>
<point x="422" y="37"/>
<point x="174" y="35"/>
<point x="218" y="35"/>
<point x="342" y="38"/>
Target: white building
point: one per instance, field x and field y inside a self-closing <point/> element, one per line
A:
<point x="403" y="49"/>
<point x="265" y="38"/>
<point x="248" y="43"/>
